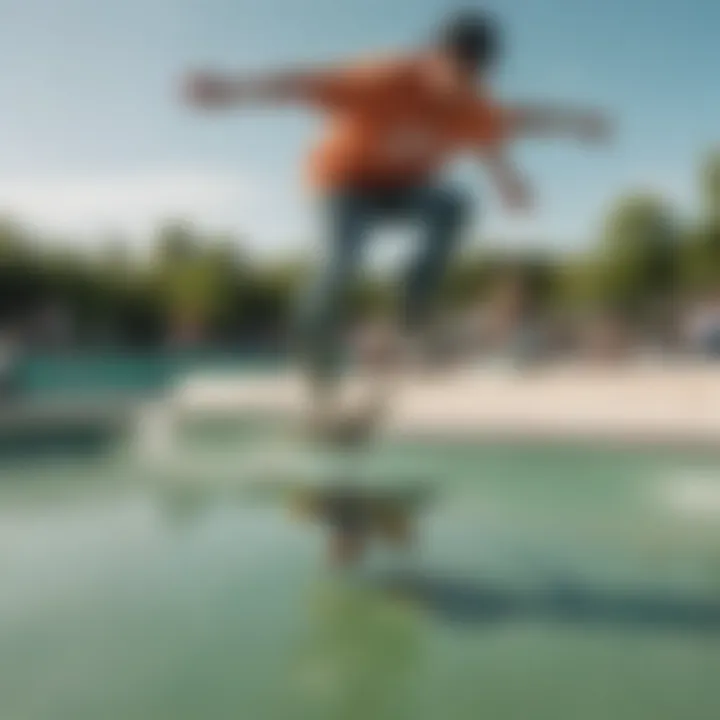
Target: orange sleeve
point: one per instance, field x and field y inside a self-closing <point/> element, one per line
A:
<point x="488" y="124"/>
<point x="354" y="85"/>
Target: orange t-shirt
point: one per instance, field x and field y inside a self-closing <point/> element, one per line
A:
<point x="390" y="125"/>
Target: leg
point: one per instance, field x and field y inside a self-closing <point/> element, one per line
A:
<point x="442" y="214"/>
<point x="322" y="310"/>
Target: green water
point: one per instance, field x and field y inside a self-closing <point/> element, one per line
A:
<point x="116" y="605"/>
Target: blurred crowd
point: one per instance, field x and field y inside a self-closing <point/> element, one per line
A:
<point x="508" y="327"/>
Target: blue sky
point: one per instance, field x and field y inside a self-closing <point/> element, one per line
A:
<point x="94" y="140"/>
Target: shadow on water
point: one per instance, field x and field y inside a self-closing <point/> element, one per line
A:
<point x="467" y="601"/>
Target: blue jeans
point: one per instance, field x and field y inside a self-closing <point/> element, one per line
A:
<point x="351" y="215"/>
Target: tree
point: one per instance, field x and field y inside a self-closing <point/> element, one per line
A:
<point x="183" y="275"/>
<point x="701" y="248"/>
<point x="638" y="254"/>
<point x="175" y="241"/>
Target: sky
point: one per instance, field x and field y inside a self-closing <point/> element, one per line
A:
<point x="94" y="141"/>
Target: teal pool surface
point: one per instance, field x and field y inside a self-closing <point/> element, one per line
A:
<point x="549" y="582"/>
<point x="82" y="373"/>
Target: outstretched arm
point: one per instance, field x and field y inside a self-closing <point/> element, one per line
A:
<point x="552" y="120"/>
<point x="216" y="90"/>
<point x="330" y="86"/>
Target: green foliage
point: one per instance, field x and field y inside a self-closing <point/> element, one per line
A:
<point x="639" y="252"/>
<point x="644" y="256"/>
<point x="700" y="268"/>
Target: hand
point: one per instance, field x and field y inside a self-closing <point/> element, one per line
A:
<point x="594" y="127"/>
<point x="518" y="196"/>
<point x="206" y="90"/>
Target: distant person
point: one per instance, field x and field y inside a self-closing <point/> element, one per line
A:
<point x="393" y="125"/>
<point x="55" y="326"/>
<point x="703" y="328"/>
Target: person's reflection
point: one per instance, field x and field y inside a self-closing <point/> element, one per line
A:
<point x="362" y="648"/>
<point x="353" y="518"/>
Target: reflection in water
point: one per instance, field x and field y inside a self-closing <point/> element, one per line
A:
<point x="359" y="653"/>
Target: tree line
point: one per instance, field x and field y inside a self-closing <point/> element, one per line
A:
<point x="198" y="287"/>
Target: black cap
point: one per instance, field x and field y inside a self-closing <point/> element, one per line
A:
<point x="472" y="37"/>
